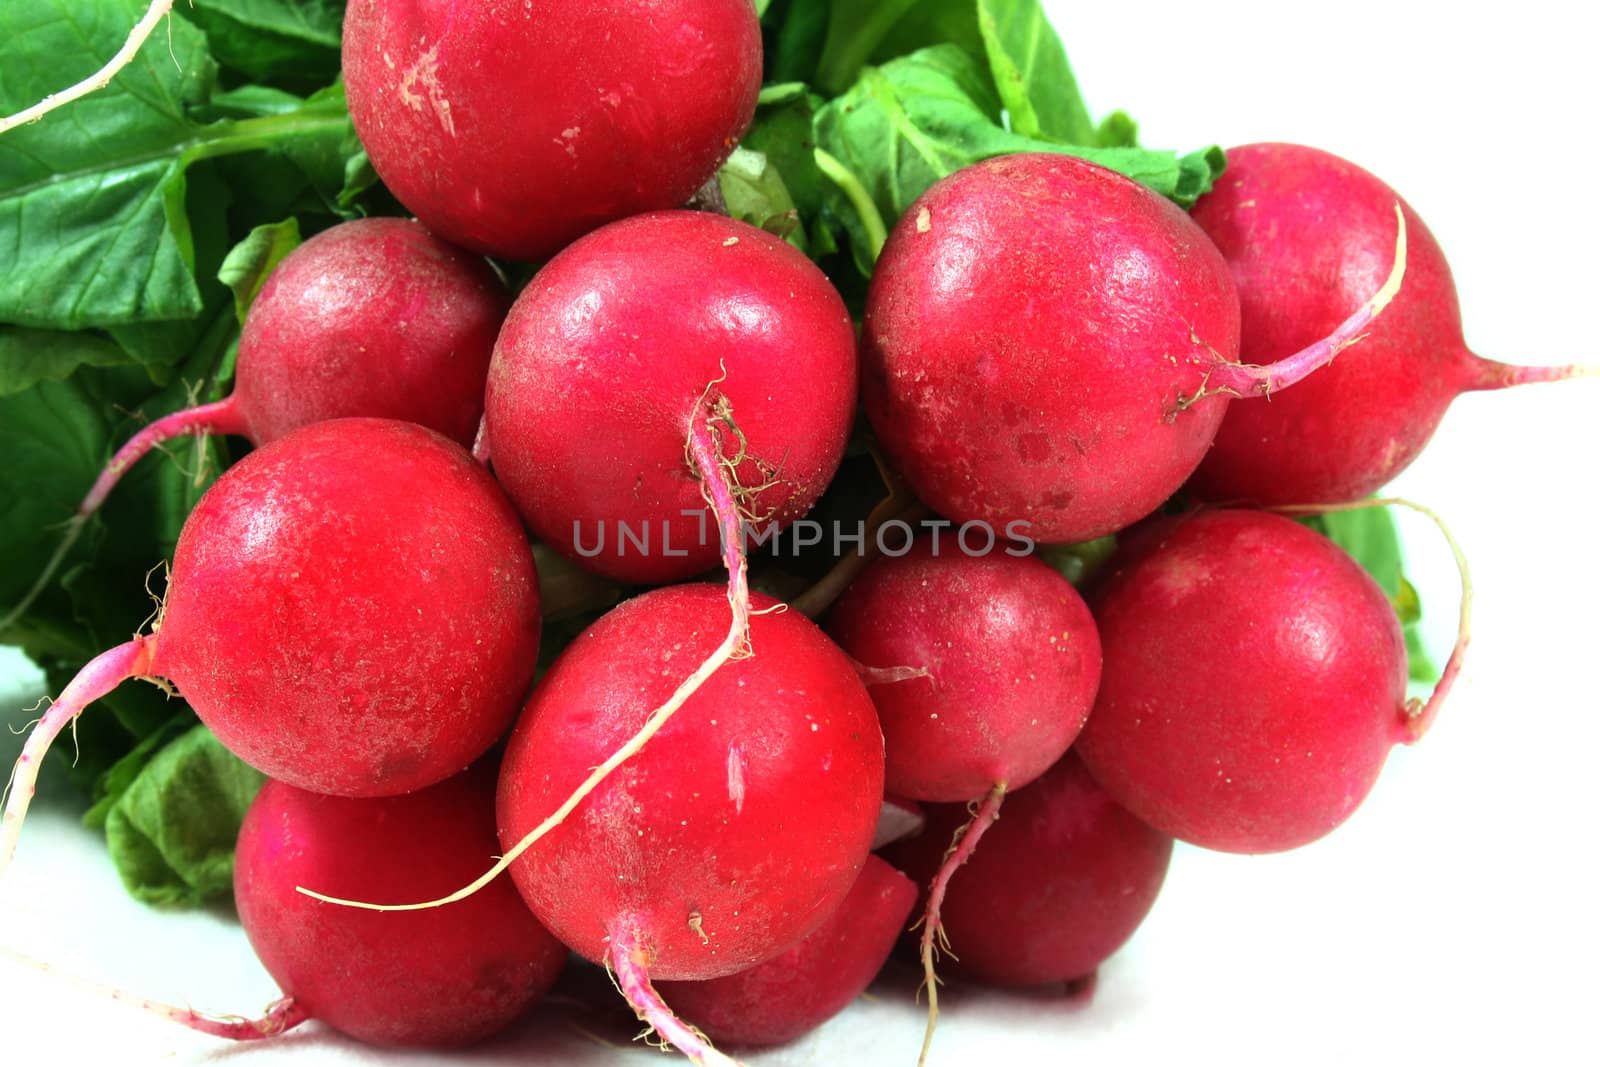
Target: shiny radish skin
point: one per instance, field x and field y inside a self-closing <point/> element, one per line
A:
<point x="1012" y="660"/>
<point x="787" y="997"/>
<point x="373" y="318"/>
<point x="613" y="347"/>
<point x="513" y="129"/>
<point x="1308" y="236"/>
<point x="1255" y="681"/>
<point x="742" y="824"/>
<point x="1063" y="879"/>
<point x="1033" y="332"/>
<point x="431" y="978"/>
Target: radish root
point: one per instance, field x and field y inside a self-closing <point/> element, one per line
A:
<point x="1493" y="375"/>
<point x="933" y="936"/>
<point x="1419" y="715"/>
<point x="99" y="676"/>
<point x="99" y="79"/>
<point x="1241" y="380"/>
<point x="627" y="966"/>
<point x="720" y="489"/>
<point x="281" y="1015"/>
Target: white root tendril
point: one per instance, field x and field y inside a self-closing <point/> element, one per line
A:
<point x="99" y="79"/>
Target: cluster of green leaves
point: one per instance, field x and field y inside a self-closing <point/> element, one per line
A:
<point x="139" y="221"/>
<point x="869" y="102"/>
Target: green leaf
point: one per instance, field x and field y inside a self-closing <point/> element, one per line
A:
<point x="793" y="34"/>
<point x="28" y="357"/>
<point x="110" y="786"/>
<point x="875" y="31"/>
<point x="246" y="267"/>
<point x="1117" y="130"/>
<point x="172" y="832"/>
<point x="754" y="192"/>
<point x="1031" y="72"/>
<point x="1371" y="537"/>
<point x="1080" y="562"/>
<point x="921" y="117"/>
<point x="91" y="196"/>
<point x="94" y="197"/>
<point x="272" y="40"/>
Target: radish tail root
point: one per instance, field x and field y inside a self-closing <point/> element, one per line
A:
<point x="98" y="677"/>
<point x="933" y="937"/>
<point x="1240" y="380"/>
<point x="280" y="1017"/>
<point x="100" y="78"/>
<point x="1419" y="715"/>
<point x="628" y="966"/>
<point x="887" y="675"/>
<point x="221" y="417"/>
<point x="1488" y="374"/>
<point x="480" y="442"/>
<point x="722" y="491"/>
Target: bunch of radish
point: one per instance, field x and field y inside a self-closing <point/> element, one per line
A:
<point x="691" y="793"/>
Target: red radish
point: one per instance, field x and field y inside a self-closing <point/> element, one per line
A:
<point x="352" y="609"/>
<point x="1307" y="236"/>
<point x="372" y="318"/>
<point x="793" y="994"/>
<point x="514" y="128"/>
<point x="1009" y="662"/>
<point x="733" y="834"/>
<point x="430" y="978"/>
<point x="1060" y="883"/>
<point x="1051" y="343"/>
<point x="628" y="337"/>
<point x="1255" y="681"/>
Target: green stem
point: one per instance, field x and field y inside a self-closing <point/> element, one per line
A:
<point x="850" y="44"/>
<point x="860" y="199"/>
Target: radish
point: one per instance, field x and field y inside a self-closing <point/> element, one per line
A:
<point x="1306" y="235"/>
<point x="1008" y="662"/>
<point x="352" y="609"/>
<point x="375" y="318"/>
<point x="735" y="833"/>
<point x="649" y="343"/>
<point x="512" y="129"/>
<point x="1060" y="884"/>
<point x="1255" y="681"/>
<point x="1049" y="342"/>
<point x="433" y="978"/>
<point x="775" y="1002"/>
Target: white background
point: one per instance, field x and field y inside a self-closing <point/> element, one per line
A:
<point x="1453" y="917"/>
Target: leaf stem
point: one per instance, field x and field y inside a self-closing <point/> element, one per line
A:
<point x="860" y="199"/>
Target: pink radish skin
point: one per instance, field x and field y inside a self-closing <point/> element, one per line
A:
<point x="514" y="128"/>
<point x="435" y="978"/>
<point x="1061" y="882"/>
<point x="778" y="1001"/>
<point x="1034" y="326"/>
<point x="1255" y="681"/>
<point x="614" y="348"/>
<point x="1012" y="661"/>
<point x="352" y="609"/>
<point x="371" y="318"/>
<point x="1307" y="236"/>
